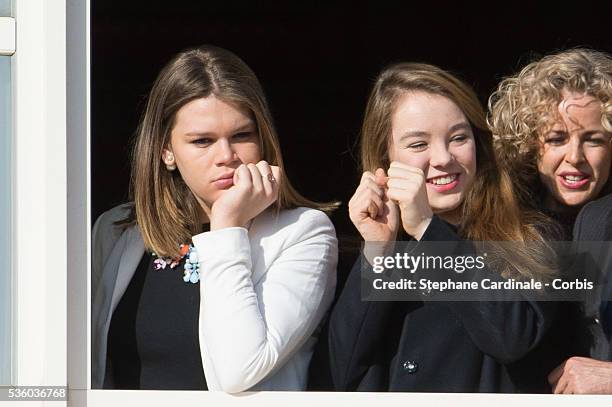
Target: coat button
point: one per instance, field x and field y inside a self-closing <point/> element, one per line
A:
<point x="410" y="366"/>
<point x="597" y="321"/>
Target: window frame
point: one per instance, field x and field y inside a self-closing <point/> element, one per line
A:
<point x="7" y="49"/>
<point x="52" y="224"/>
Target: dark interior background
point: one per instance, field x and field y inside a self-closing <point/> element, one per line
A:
<point x="316" y="61"/>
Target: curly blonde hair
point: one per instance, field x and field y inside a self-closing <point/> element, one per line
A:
<point x="525" y="106"/>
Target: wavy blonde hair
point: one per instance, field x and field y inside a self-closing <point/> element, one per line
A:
<point x="490" y="211"/>
<point x="525" y="106"/>
<point x="165" y="210"/>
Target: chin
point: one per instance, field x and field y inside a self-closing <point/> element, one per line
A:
<point x="575" y="202"/>
<point x="446" y="203"/>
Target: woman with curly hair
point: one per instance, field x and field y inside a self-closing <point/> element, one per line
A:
<point x="552" y="126"/>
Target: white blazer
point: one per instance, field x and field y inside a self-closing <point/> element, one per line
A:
<point x="263" y="292"/>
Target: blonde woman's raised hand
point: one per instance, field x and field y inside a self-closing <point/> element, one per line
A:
<point x="407" y="187"/>
<point x="255" y="188"/>
<point x="371" y="211"/>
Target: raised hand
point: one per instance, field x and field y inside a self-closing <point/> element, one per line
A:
<point x="407" y="187"/>
<point x="374" y="215"/>
<point x="255" y="188"/>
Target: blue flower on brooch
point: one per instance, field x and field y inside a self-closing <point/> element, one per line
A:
<point x="191" y="270"/>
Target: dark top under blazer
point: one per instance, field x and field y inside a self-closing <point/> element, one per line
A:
<point x="154" y="333"/>
<point x="431" y="346"/>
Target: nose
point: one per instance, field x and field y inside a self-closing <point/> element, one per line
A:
<point x="440" y="155"/>
<point x="575" y="153"/>
<point x="224" y="152"/>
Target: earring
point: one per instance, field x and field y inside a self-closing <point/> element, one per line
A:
<point x="169" y="161"/>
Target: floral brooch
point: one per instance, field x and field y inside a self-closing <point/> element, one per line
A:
<point x="191" y="270"/>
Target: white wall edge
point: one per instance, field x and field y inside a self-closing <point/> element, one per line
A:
<point x="39" y="199"/>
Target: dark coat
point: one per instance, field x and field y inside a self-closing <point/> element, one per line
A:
<point x="431" y="346"/>
<point x="594" y="223"/>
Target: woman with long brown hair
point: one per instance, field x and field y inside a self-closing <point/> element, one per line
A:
<point x="430" y="175"/>
<point x="218" y="273"/>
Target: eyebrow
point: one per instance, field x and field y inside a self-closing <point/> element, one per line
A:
<point x="460" y="126"/>
<point x="590" y="133"/>
<point x="414" y="133"/>
<point x="243" y="127"/>
<point x="452" y="129"/>
<point x="586" y="133"/>
<point x="559" y="131"/>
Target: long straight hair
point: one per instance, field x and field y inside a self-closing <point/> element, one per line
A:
<point x="165" y="209"/>
<point x="491" y="210"/>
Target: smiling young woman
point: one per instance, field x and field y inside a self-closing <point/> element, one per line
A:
<point x="430" y="175"/>
<point x="422" y="116"/>
<point x="431" y="133"/>
<point x="219" y="272"/>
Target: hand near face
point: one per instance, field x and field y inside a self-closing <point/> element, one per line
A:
<point x="251" y="194"/>
<point x="407" y="187"/>
<point x="374" y="215"/>
<point x="579" y="375"/>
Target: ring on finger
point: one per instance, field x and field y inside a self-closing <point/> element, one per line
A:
<point x="271" y="177"/>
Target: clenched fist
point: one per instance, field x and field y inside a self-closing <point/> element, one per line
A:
<point x="255" y="187"/>
<point x="372" y="212"/>
<point x="407" y="187"/>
